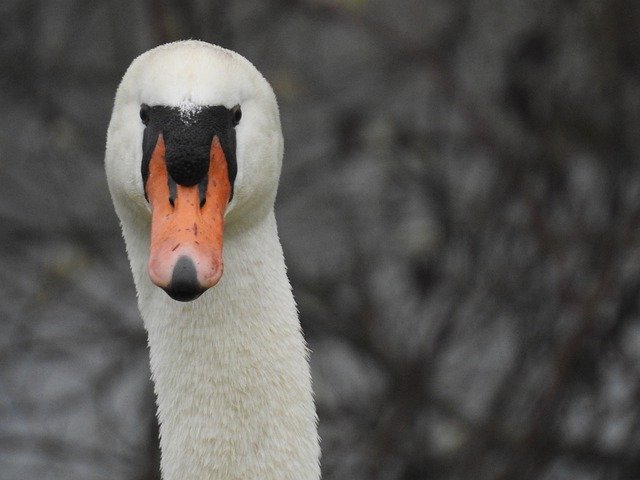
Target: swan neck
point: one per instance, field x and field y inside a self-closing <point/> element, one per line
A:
<point x="231" y="372"/>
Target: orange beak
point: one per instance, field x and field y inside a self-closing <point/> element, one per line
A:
<point x="186" y="228"/>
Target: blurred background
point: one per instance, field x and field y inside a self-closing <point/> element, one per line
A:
<point x="459" y="208"/>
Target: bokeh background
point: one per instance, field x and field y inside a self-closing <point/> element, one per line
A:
<point x="459" y="207"/>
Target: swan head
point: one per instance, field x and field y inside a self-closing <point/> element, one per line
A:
<point x="194" y="151"/>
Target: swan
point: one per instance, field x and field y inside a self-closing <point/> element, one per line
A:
<point x="193" y="157"/>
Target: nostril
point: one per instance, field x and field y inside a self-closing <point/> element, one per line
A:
<point x="184" y="285"/>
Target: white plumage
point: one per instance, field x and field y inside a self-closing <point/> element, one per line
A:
<point x="230" y="369"/>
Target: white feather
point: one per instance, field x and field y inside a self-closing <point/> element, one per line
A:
<point x="230" y="369"/>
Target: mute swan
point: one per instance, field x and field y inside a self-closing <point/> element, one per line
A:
<point x="195" y="144"/>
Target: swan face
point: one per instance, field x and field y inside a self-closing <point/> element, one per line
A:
<point x="194" y="151"/>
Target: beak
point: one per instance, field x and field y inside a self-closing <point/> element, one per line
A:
<point x="185" y="257"/>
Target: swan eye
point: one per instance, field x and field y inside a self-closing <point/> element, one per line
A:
<point x="144" y="113"/>
<point x="236" y="115"/>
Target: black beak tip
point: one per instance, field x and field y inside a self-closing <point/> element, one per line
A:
<point x="183" y="295"/>
<point x="184" y="285"/>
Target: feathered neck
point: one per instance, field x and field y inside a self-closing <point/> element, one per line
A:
<point x="230" y="369"/>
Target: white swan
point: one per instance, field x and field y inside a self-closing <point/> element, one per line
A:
<point x="230" y="368"/>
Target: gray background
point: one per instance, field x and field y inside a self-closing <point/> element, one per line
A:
<point x="459" y="208"/>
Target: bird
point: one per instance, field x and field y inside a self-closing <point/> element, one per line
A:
<point x="193" y="158"/>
